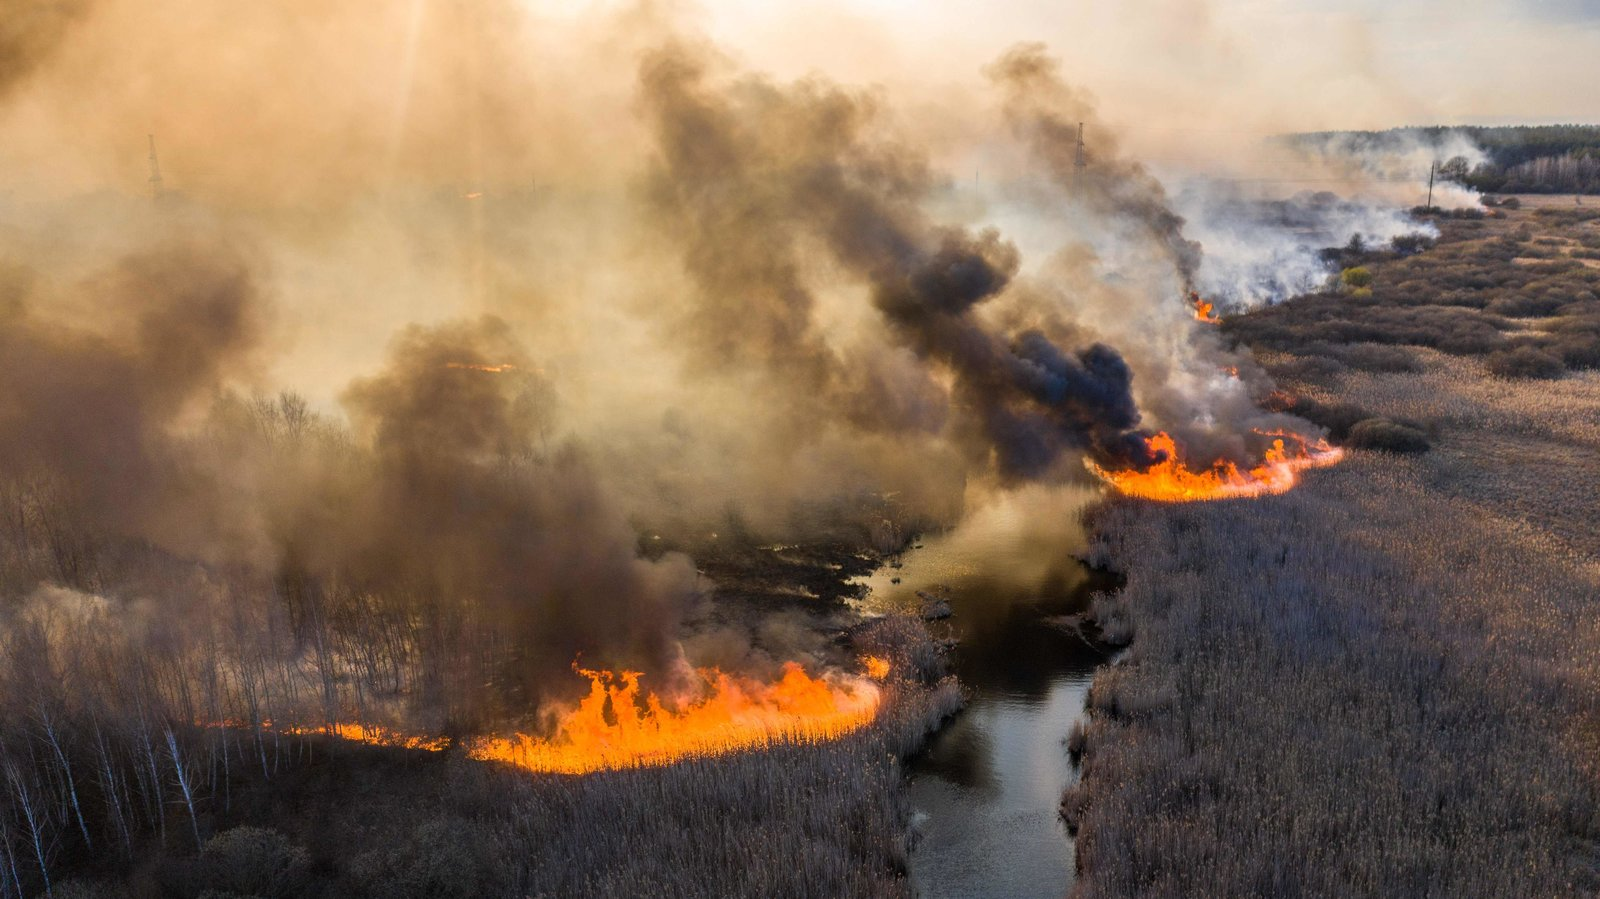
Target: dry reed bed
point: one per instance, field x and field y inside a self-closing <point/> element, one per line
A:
<point x="1385" y="683"/>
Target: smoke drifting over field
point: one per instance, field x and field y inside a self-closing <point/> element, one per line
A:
<point x="533" y="305"/>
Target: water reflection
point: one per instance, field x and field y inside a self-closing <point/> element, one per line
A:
<point x="986" y="789"/>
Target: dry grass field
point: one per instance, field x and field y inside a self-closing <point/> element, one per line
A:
<point x="1386" y="682"/>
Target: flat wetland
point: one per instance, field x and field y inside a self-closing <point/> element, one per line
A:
<point x="1387" y="681"/>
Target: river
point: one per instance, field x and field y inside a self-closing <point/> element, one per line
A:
<point x="985" y="790"/>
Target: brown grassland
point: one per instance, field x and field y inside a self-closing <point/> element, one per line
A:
<point x="1387" y="681"/>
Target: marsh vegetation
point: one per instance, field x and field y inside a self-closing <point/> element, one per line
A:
<point x="1385" y="682"/>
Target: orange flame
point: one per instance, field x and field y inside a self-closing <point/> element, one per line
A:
<point x="617" y="726"/>
<point x="1204" y="310"/>
<point x="1173" y="481"/>
<point x="374" y="735"/>
<point x="876" y="668"/>
<point x="736" y="714"/>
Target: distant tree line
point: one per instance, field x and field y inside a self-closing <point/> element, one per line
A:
<point x="1520" y="159"/>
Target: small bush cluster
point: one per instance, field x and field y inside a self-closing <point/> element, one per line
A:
<point x="1525" y="362"/>
<point x="1387" y="435"/>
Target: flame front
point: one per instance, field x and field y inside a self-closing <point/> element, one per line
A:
<point x="619" y="726"/>
<point x="734" y="714"/>
<point x="1173" y="481"/>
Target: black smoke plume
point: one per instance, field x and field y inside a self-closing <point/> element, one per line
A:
<point x="446" y="531"/>
<point x="807" y="165"/>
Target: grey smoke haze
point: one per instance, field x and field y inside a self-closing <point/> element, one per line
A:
<point x="468" y="503"/>
<point x="450" y="493"/>
<point x="1265" y="250"/>
<point x="1046" y="113"/>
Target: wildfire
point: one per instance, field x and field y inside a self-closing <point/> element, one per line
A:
<point x="1173" y="481"/>
<point x="617" y="725"/>
<point x="735" y="714"/>
<point x="376" y="736"/>
<point x="1204" y="310"/>
<point x="877" y="668"/>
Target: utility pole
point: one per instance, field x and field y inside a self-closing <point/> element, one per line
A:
<point x="1431" y="170"/>
<point x="1080" y="161"/>
<point x="155" y="171"/>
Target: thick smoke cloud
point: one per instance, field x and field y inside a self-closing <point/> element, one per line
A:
<point x="468" y="503"/>
<point x="811" y="164"/>
<point x="88" y="410"/>
<point x="450" y="502"/>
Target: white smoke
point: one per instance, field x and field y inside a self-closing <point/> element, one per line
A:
<point x="1264" y="250"/>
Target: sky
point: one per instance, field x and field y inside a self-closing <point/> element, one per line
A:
<point x="1263" y="65"/>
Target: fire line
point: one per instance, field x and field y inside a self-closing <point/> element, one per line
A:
<point x="618" y="725"/>
<point x="1172" y="480"/>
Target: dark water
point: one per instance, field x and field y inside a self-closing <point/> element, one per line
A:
<point x="985" y="792"/>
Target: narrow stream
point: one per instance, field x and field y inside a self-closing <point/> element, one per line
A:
<point x="985" y="791"/>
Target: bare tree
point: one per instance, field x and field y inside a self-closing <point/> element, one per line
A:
<point x="185" y="785"/>
<point x="49" y="726"/>
<point x="34" y="814"/>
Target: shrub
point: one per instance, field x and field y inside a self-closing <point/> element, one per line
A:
<point x="1412" y="244"/>
<point x="1356" y="277"/>
<point x="1577" y="350"/>
<point x="1520" y="306"/>
<point x="442" y="858"/>
<point x="1338" y="418"/>
<point x="252" y="861"/>
<point x="1525" y="362"/>
<point x="1307" y="368"/>
<point x="1387" y="435"/>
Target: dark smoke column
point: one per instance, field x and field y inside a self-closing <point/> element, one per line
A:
<point x="802" y="163"/>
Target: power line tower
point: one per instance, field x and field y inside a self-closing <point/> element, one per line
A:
<point x="1081" y="160"/>
<point x="155" y="171"/>
<point x="1431" y="170"/>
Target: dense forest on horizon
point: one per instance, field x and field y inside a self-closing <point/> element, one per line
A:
<point x="1539" y="159"/>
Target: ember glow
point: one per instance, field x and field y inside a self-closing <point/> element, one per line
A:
<point x="876" y="668"/>
<point x="375" y="736"/>
<point x="1173" y="480"/>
